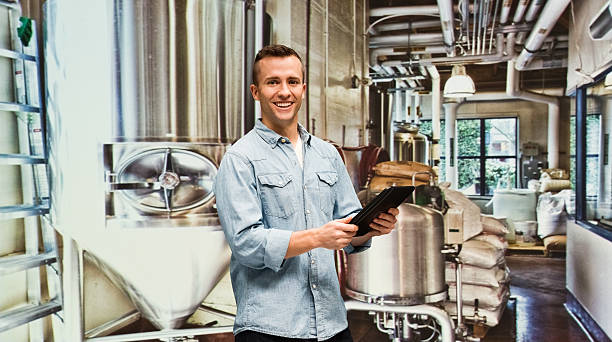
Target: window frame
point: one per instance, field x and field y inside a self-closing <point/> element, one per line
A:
<point x="483" y="157"/>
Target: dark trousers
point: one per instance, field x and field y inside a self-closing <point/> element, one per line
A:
<point x="253" y="336"/>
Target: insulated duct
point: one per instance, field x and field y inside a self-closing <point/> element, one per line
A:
<point x="450" y="117"/>
<point x="545" y="23"/>
<point x="513" y="90"/>
<point x="436" y="103"/>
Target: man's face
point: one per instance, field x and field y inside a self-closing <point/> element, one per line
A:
<point x="279" y="90"/>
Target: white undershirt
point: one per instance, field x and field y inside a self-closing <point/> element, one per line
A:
<point x="299" y="151"/>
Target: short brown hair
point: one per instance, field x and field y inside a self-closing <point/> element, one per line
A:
<point x="275" y="51"/>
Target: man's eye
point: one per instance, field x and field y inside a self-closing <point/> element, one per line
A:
<point x="293" y="82"/>
<point x="272" y="82"/>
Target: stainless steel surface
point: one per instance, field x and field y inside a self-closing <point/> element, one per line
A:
<point x="157" y="335"/>
<point x="114" y="325"/>
<point x="405" y="267"/>
<point x="179" y="68"/>
<point x="410" y="145"/>
<point x="20" y="211"/>
<point x="15" y="107"/>
<point x="17" y="263"/>
<point x="20" y="159"/>
<point x="446" y="325"/>
<point x="138" y="161"/>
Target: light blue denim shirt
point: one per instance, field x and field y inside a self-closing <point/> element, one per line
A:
<point x="263" y="195"/>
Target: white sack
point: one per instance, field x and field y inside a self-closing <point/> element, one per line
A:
<point x="481" y="254"/>
<point x="473" y="275"/>
<point x="492" y="316"/>
<point x="489" y="298"/>
<point x="471" y="212"/>
<point x="496" y="240"/>
<point x="552" y="217"/>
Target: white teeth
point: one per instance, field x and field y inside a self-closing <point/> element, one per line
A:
<point x="283" y="104"/>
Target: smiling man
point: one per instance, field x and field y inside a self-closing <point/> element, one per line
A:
<point x="284" y="199"/>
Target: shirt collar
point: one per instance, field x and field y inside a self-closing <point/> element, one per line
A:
<point x="274" y="138"/>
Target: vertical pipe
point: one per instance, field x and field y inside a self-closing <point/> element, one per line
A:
<point x="450" y="115"/>
<point x="326" y="66"/>
<point x="436" y="103"/>
<point x="72" y="290"/>
<point x="580" y="186"/>
<point x="365" y="89"/>
<point x="307" y="66"/>
<point x="259" y="26"/>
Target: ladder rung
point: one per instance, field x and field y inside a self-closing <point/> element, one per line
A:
<point x="28" y="313"/>
<point x="19" y="211"/>
<point x="12" y="264"/>
<point x="16" y="55"/>
<point x="20" y="159"/>
<point x="18" y="107"/>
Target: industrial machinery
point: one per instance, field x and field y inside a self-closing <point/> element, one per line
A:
<point x="409" y="144"/>
<point x="145" y="143"/>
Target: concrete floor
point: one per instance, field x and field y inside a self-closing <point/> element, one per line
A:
<point x="535" y="312"/>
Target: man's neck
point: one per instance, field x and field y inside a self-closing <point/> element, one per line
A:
<point x="290" y="131"/>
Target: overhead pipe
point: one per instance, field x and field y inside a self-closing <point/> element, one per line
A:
<point x="512" y="89"/>
<point x="545" y="23"/>
<point x="505" y="11"/>
<point x="405" y="10"/>
<point x="436" y="103"/>
<point x="404" y="39"/>
<point x="447" y="24"/>
<point x="532" y="12"/>
<point x="408" y="25"/>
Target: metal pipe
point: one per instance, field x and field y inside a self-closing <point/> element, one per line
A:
<point x="217" y="312"/>
<point x="326" y="68"/>
<point x="493" y="24"/>
<point x="446" y="326"/>
<point x="12" y="5"/>
<point x="512" y="89"/>
<point x="408" y="25"/>
<point x="459" y="294"/>
<point x="545" y="23"/>
<point x="450" y="116"/>
<point x="403" y="39"/>
<point x="447" y="24"/>
<point x="72" y="290"/>
<point x="405" y="10"/>
<point x="156" y="335"/>
<point x="520" y="10"/>
<point x="436" y="103"/>
<point x="259" y="24"/>
<point x="365" y="103"/>
<point x="114" y="325"/>
<point x="505" y="11"/>
<point x="534" y="7"/>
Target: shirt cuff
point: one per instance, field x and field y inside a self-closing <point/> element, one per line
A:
<point x="276" y="248"/>
<point x="357" y="249"/>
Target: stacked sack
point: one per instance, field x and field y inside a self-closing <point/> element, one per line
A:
<point x="485" y="276"/>
<point x="399" y="173"/>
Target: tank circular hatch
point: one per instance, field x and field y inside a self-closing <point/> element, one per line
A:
<point x="177" y="179"/>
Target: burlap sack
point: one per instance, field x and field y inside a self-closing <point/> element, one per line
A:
<point x="404" y="169"/>
<point x="380" y="183"/>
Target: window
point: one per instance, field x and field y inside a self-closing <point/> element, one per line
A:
<point x="592" y="153"/>
<point x="426" y="129"/>
<point x="486" y="155"/>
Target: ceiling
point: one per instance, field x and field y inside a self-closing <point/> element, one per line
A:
<point x="406" y="29"/>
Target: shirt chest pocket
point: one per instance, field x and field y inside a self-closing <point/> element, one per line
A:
<point x="277" y="195"/>
<point x="327" y="179"/>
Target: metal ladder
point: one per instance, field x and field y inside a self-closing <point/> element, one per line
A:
<point x="41" y="252"/>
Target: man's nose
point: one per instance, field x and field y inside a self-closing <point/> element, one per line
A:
<point x="284" y="89"/>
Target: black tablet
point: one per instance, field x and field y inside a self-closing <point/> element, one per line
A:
<point x="391" y="197"/>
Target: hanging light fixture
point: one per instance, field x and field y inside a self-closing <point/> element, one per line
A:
<point x="608" y="81"/>
<point x="459" y="84"/>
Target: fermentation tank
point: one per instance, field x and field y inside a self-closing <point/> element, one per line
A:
<point x="405" y="267"/>
<point x="144" y="98"/>
<point x="409" y="144"/>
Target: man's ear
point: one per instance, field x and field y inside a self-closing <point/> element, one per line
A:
<point x="254" y="92"/>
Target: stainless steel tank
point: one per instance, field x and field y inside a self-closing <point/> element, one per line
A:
<point x="405" y="267"/>
<point x="144" y="99"/>
<point x="410" y="145"/>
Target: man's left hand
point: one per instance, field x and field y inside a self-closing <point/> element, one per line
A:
<point x="384" y="223"/>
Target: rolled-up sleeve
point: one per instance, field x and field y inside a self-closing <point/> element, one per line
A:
<point x="240" y="213"/>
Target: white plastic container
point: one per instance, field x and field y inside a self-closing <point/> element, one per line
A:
<point x="515" y="204"/>
<point x="528" y="228"/>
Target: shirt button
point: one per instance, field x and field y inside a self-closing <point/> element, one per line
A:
<point x="312" y="261"/>
<point x="307" y="211"/>
<point x="283" y="140"/>
<point x="314" y="286"/>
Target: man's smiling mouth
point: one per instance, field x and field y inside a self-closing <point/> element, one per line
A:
<point x="283" y="104"/>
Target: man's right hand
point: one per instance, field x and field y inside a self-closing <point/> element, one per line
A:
<point x="336" y="234"/>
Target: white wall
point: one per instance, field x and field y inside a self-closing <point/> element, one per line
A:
<point x="588" y="273"/>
